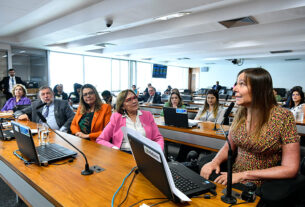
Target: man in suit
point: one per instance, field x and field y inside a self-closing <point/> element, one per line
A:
<point x="216" y="87"/>
<point x="58" y="113"/>
<point x="7" y="83"/>
<point x="153" y="97"/>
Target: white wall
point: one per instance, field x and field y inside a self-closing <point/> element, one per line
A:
<point x="284" y="74"/>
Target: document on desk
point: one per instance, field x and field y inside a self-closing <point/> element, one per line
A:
<point x="159" y="151"/>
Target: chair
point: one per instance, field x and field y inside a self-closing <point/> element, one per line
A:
<point x="222" y="90"/>
<point x="284" y="192"/>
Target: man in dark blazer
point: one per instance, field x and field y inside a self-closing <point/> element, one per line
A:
<point x="7" y="83"/>
<point x="216" y="87"/>
<point x="153" y="98"/>
<point x="58" y="113"/>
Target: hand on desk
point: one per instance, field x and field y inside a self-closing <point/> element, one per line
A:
<point x="208" y="168"/>
<point x="236" y="178"/>
<point x="23" y="117"/>
<point x="82" y="135"/>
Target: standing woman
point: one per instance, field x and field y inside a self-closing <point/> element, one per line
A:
<point x="174" y="101"/>
<point x="211" y="109"/>
<point x="19" y="98"/>
<point x="92" y="115"/>
<point x="128" y="115"/>
<point x="297" y="102"/>
<point x="263" y="134"/>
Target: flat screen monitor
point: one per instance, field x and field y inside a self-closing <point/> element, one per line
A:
<point x="159" y="71"/>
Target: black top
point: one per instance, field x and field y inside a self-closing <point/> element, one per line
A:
<point x="85" y="123"/>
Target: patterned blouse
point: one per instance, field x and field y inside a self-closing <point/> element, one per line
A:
<point x="264" y="151"/>
<point x="85" y="122"/>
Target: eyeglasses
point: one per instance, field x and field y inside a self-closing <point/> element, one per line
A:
<point x="87" y="94"/>
<point x="131" y="99"/>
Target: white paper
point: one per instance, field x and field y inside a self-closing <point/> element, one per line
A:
<point x="157" y="148"/>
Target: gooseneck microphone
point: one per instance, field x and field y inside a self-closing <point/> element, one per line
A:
<point x="41" y="105"/>
<point x="87" y="170"/>
<point x="228" y="198"/>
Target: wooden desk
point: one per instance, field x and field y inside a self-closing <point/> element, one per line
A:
<point x="63" y="185"/>
<point x="203" y="137"/>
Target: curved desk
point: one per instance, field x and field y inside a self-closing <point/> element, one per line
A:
<point x="63" y="185"/>
<point x="202" y="136"/>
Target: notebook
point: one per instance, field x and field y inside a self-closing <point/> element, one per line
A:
<point x="173" y="179"/>
<point x="41" y="155"/>
<point x="177" y="117"/>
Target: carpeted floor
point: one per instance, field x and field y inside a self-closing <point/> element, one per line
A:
<point x="8" y="197"/>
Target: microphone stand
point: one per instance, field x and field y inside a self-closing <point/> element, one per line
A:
<point x="228" y="198"/>
<point x="87" y="170"/>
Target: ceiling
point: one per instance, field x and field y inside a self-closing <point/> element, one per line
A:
<point x="193" y="40"/>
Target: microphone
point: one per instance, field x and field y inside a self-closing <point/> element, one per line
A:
<point x="226" y="115"/>
<point x="87" y="170"/>
<point x="228" y="198"/>
<point x="41" y="105"/>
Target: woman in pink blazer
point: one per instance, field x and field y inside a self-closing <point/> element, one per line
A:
<point x="128" y="115"/>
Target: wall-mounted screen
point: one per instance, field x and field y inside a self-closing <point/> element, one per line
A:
<point x="159" y="71"/>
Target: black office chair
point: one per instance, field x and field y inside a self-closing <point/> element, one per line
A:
<point x="284" y="192"/>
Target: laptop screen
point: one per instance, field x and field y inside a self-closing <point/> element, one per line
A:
<point x="175" y="117"/>
<point x="25" y="141"/>
<point x="150" y="164"/>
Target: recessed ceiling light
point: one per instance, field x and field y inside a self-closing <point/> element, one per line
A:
<point x="171" y="16"/>
<point x="22" y="51"/>
<point x="102" y="32"/>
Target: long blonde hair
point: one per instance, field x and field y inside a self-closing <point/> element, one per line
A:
<point x="263" y="100"/>
<point x="206" y="105"/>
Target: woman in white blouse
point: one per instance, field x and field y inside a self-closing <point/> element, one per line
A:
<point x="211" y="109"/>
<point x="297" y="104"/>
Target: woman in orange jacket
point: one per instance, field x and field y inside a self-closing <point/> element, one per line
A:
<point x="92" y="115"/>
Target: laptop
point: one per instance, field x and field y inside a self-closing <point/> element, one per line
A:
<point x="178" y="117"/>
<point x="41" y="155"/>
<point x="173" y="179"/>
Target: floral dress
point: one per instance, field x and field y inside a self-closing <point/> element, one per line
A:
<point x="264" y="151"/>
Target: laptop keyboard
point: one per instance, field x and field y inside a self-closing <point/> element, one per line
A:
<point x="183" y="184"/>
<point x="49" y="153"/>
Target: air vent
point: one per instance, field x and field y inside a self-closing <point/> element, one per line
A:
<point x="210" y="63"/>
<point x="292" y="59"/>
<point x="103" y="45"/>
<point x="147" y="59"/>
<point x="183" y="58"/>
<point x="239" y="22"/>
<point x="280" y="51"/>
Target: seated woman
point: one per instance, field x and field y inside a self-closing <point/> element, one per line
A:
<point x="92" y="115"/>
<point x="263" y="134"/>
<point x="59" y="93"/>
<point x="211" y="109"/>
<point x="19" y="98"/>
<point x="296" y="103"/>
<point x="174" y="101"/>
<point x="128" y="114"/>
<point x="74" y="96"/>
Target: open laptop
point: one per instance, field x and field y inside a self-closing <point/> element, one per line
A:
<point x="41" y="155"/>
<point x="178" y="117"/>
<point x="167" y="177"/>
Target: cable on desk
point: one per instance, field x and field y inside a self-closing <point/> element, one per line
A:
<point x="134" y="175"/>
<point x="159" y="203"/>
<point x="146" y="199"/>
<point x="70" y="160"/>
<point x="22" y="158"/>
<point x="112" y="201"/>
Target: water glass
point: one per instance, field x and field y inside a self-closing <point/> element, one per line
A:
<point x="43" y="134"/>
